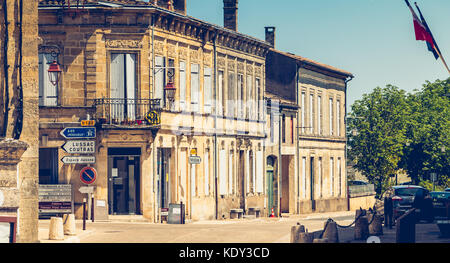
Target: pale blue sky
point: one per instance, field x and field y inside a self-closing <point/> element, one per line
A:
<point x="373" y="39"/>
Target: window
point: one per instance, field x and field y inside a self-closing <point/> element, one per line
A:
<point x="231" y="96"/>
<point x="338" y="117"/>
<point x="292" y="129"/>
<point x="206" y="172"/>
<point x="182" y="85"/>
<point x="319" y="115"/>
<point x="230" y="173"/>
<point x="259" y="99"/>
<point x="160" y="77"/>
<point x="339" y="176"/>
<point x="195" y="87"/>
<point x="303" y="111"/>
<point x="331" y="176"/>
<point x="48" y="166"/>
<point x="331" y="116"/>
<point x="222" y="173"/>
<point x="250" y="98"/>
<point x="123" y="86"/>
<point x="240" y="96"/>
<point x="249" y="171"/>
<point x="259" y="172"/>
<point x="283" y="128"/>
<point x="304" y="176"/>
<point x="311" y="113"/>
<point x="320" y="177"/>
<point x="221" y="94"/>
<point x="48" y="93"/>
<point x="207" y="79"/>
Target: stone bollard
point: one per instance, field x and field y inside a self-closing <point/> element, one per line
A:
<point x="361" y="225"/>
<point x="56" y="230"/>
<point x="376" y="228"/>
<point x="331" y="232"/>
<point x="320" y="240"/>
<point x="295" y="232"/>
<point x="69" y="224"/>
<point x="306" y="237"/>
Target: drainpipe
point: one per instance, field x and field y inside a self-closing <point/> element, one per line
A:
<point x="346" y="142"/>
<point x="154" y="154"/>
<point x="216" y="197"/>
<point x="280" y="170"/>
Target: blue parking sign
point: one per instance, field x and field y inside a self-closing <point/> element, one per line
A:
<point x="78" y="133"/>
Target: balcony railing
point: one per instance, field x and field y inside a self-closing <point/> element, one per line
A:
<point x="128" y="112"/>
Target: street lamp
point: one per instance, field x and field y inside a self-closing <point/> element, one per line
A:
<point x="54" y="73"/>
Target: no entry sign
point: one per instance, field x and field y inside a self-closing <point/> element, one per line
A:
<point x="88" y="175"/>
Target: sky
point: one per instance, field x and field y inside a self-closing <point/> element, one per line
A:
<point x="373" y="39"/>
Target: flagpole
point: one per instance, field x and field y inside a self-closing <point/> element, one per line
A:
<point x="435" y="46"/>
<point x="443" y="61"/>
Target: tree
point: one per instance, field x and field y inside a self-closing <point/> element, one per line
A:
<point x="428" y="133"/>
<point x="377" y="128"/>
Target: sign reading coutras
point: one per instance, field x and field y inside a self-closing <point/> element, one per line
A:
<point x="81" y="147"/>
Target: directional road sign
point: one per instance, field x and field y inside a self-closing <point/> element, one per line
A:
<point x="78" y="133"/>
<point x="78" y="159"/>
<point x="81" y="147"/>
<point x="88" y="175"/>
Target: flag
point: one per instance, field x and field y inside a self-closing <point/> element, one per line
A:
<point x="430" y="47"/>
<point x="420" y="29"/>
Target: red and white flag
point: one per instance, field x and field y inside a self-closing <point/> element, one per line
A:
<point x="419" y="28"/>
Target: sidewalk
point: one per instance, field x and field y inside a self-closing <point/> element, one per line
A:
<point x="132" y="226"/>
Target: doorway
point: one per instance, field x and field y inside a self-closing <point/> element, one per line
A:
<point x="241" y="180"/>
<point x="166" y="192"/>
<point x="271" y="183"/>
<point x="286" y="159"/>
<point x="124" y="181"/>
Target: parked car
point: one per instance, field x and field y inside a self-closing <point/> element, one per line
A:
<point x="440" y="202"/>
<point x="406" y="197"/>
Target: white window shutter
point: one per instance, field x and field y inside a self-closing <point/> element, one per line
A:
<point x="130" y="60"/>
<point x="259" y="172"/>
<point x="195" y="87"/>
<point x="159" y="78"/>
<point x="182" y="85"/>
<point x="207" y="90"/>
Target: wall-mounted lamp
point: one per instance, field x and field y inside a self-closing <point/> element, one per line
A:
<point x="54" y="73"/>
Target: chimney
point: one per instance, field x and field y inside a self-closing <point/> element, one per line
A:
<point x="270" y="35"/>
<point x="230" y="14"/>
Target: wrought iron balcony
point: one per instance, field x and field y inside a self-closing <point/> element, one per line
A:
<point x="137" y="113"/>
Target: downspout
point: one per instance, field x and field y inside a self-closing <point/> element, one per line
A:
<point x="215" y="130"/>
<point x="346" y="140"/>
<point x="280" y="170"/>
<point x="155" y="214"/>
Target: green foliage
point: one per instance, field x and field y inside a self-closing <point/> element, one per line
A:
<point x="390" y="129"/>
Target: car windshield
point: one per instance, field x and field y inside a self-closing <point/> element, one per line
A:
<point x="441" y="195"/>
<point x="406" y="191"/>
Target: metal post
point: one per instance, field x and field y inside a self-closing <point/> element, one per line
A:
<point x="92" y="208"/>
<point x="84" y="213"/>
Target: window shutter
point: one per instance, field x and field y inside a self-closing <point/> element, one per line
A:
<point x="159" y="78"/>
<point x="48" y="95"/>
<point x="130" y="60"/>
<point x="182" y="85"/>
<point x="194" y="87"/>
<point x="207" y="90"/>
<point x="259" y="172"/>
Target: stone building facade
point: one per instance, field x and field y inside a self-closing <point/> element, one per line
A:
<point x="316" y="181"/>
<point x="18" y="116"/>
<point x="162" y="87"/>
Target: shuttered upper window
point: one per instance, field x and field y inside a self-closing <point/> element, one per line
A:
<point x="48" y="93"/>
